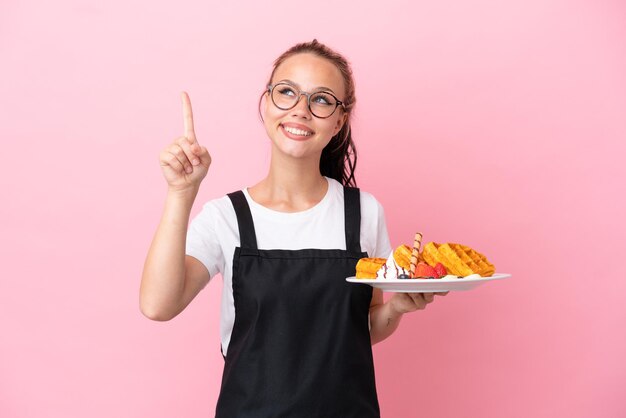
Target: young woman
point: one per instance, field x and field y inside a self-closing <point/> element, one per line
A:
<point x="296" y="337"/>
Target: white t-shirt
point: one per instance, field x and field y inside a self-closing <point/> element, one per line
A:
<point x="214" y="234"/>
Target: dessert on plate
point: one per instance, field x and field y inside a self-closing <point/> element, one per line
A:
<point x="398" y="264"/>
<point x="366" y="268"/>
<point x="436" y="261"/>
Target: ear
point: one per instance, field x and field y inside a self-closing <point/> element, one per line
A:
<point x="340" y="122"/>
<point x="263" y="103"/>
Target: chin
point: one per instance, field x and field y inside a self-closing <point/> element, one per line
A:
<point x="295" y="149"/>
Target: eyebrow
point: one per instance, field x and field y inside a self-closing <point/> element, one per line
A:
<point x="321" y="88"/>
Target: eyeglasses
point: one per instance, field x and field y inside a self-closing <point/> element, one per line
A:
<point x="322" y="104"/>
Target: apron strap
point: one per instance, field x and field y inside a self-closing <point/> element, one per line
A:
<point x="247" y="236"/>
<point x="352" y="203"/>
<point x="352" y="208"/>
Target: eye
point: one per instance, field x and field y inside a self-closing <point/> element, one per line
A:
<point x="323" y="99"/>
<point x="286" y="90"/>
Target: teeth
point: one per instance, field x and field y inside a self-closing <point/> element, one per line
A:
<point x="295" y="131"/>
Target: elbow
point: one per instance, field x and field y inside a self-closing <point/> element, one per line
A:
<point x="154" y="313"/>
<point x="155" y="316"/>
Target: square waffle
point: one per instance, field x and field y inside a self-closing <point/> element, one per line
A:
<point x="458" y="259"/>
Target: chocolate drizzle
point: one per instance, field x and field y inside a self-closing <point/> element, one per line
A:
<point x="385" y="271"/>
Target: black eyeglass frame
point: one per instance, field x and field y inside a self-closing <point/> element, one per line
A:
<point x="270" y="88"/>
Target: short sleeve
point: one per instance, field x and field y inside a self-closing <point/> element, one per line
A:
<point x="374" y="235"/>
<point x="383" y="244"/>
<point x="202" y="240"/>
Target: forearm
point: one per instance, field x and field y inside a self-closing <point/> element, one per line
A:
<point x="385" y="317"/>
<point x="384" y="320"/>
<point x="163" y="279"/>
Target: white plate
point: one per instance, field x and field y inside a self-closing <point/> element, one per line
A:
<point x="428" y="285"/>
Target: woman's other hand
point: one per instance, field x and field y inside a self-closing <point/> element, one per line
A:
<point x="409" y="302"/>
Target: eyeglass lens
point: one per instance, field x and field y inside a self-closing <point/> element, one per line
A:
<point x="286" y="97"/>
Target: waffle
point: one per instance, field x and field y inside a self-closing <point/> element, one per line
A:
<point x="366" y="268"/>
<point x="402" y="255"/>
<point x="458" y="259"/>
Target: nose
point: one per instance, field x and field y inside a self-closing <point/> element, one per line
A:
<point x="301" y="109"/>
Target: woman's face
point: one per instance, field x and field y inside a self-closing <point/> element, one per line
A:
<point x="296" y="132"/>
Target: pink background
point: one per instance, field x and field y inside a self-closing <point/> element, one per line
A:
<point x="499" y="124"/>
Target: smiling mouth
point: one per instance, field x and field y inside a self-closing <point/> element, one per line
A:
<point x="295" y="131"/>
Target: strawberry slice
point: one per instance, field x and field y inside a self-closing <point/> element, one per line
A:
<point x="440" y="270"/>
<point x="424" y="271"/>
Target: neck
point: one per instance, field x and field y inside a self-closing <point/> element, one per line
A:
<point x="295" y="176"/>
<point x="291" y="185"/>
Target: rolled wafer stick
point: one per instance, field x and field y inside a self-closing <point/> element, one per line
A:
<point x="417" y="243"/>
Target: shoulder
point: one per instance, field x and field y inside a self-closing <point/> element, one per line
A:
<point x="374" y="234"/>
<point x="216" y="211"/>
<point x="370" y="206"/>
<point x="221" y="204"/>
<point x="369" y="202"/>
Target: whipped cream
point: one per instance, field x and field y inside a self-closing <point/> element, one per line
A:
<point x="473" y="276"/>
<point x="452" y="276"/>
<point x="391" y="270"/>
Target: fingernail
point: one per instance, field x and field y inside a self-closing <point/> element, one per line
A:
<point x="195" y="161"/>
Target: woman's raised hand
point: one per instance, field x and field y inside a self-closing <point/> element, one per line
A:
<point x="184" y="162"/>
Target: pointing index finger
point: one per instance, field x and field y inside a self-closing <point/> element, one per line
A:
<point x="188" y="117"/>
